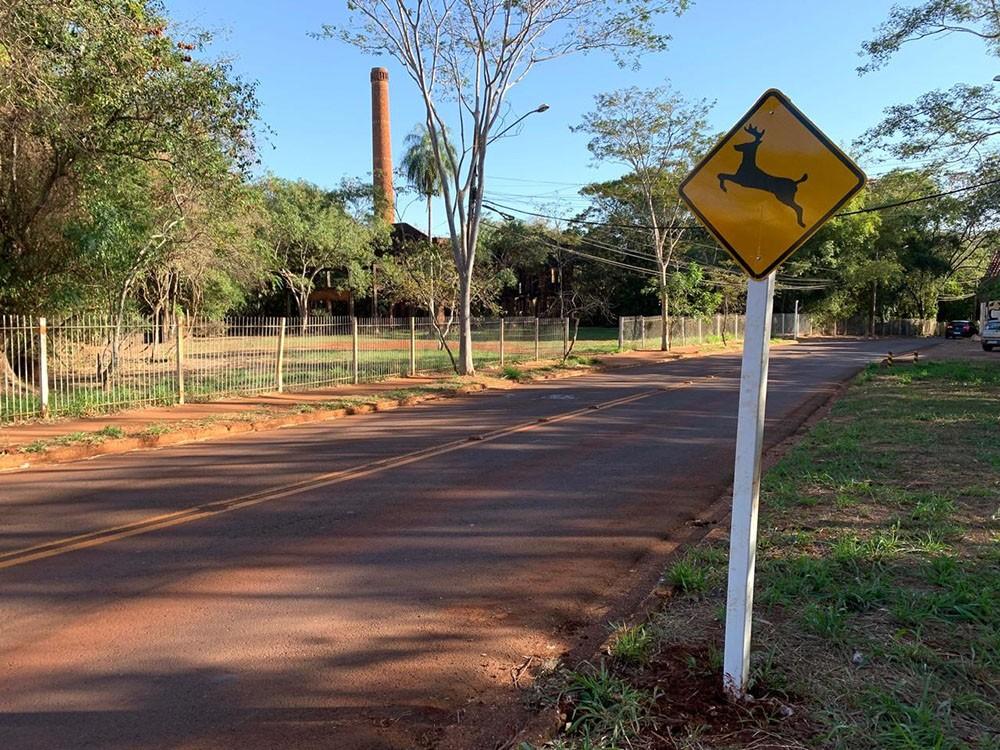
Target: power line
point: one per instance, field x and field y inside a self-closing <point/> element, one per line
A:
<point x="493" y="204"/>
<point x="786" y="282"/>
<point x="681" y="227"/>
<point x="676" y="263"/>
<point x="919" y="199"/>
<point x="882" y="168"/>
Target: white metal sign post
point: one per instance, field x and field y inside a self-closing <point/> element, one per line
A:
<point x="762" y="191"/>
<point x="746" y="485"/>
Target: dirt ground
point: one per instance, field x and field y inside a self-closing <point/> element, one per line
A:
<point x="132" y="421"/>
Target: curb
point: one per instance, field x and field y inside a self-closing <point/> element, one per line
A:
<point x="18" y="460"/>
<point x="545" y="725"/>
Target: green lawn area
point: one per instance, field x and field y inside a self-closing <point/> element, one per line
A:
<point x="877" y="616"/>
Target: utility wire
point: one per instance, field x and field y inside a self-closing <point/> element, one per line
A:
<point x="881" y="169"/>
<point x="919" y="199"/>
<point x="787" y="282"/>
<point x="681" y="227"/>
<point x="493" y="205"/>
<point x="713" y="270"/>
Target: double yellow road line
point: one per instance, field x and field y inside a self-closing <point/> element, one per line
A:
<point x="197" y="512"/>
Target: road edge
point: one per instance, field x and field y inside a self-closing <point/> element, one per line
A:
<point x="18" y="459"/>
<point x="648" y="596"/>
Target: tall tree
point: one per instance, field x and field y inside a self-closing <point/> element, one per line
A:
<point x="421" y="170"/>
<point x="953" y="125"/>
<point x="657" y="134"/>
<point x="86" y="84"/>
<point x="470" y="55"/>
<point x="308" y="231"/>
<point x="422" y="174"/>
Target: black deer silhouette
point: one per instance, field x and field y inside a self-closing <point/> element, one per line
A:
<point x="749" y="175"/>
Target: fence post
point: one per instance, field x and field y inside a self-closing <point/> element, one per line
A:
<point x="413" y="346"/>
<point x="354" y="351"/>
<point x="536" y="339"/>
<point x="642" y="331"/>
<point x="565" y="337"/>
<point x="43" y="367"/>
<point x="501" y="342"/>
<point x="700" y="337"/>
<point x="179" y="351"/>
<point x="279" y="368"/>
<point x="621" y="334"/>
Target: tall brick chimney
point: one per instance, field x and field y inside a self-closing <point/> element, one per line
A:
<point x="385" y="197"/>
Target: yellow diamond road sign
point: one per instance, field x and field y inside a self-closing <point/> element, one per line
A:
<point x="771" y="182"/>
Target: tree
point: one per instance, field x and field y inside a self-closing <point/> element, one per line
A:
<point x="470" y="55"/>
<point x="421" y="170"/>
<point x="88" y="86"/>
<point x="657" y="134"/>
<point x="307" y="231"/>
<point x="951" y="125"/>
<point x="901" y="260"/>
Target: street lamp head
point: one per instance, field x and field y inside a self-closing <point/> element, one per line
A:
<point x="996" y="78"/>
<point x="544" y="107"/>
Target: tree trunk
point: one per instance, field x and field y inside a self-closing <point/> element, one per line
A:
<point x="465" y="363"/>
<point x="303" y="304"/>
<point x="430" y="239"/>
<point x="874" y="298"/>
<point x="664" y="311"/>
<point x="9" y="379"/>
<point x="725" y="319"/>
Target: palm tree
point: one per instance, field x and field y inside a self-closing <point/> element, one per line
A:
<point x="421" y="171"/>
<point x="420" y="168"/>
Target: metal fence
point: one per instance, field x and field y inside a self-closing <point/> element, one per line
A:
<point x="91" y="364"/>
<point x="892" y="327"/>
<point x="644" y="332"/>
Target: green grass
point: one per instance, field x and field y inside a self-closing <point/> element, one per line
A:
<point x="631" y="644"/>
<point x="877" y="609"/>
<point x="108" y="432"/>
<point x="900" y="569"/>
<point x="700" y="569"/>
<point x="512" y="372"/>
<point x="605" y="711"/>
<point x="688" y="577"/>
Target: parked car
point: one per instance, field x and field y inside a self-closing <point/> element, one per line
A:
<point x="959" y="329"/>
<point x="991" y="335"/>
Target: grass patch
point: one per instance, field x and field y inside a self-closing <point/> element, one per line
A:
<point x="631" y="644"/>
<point x="877" y="616"/>
<point x="512" y="372"/>
<point x="604" y="710"/>
<point x="687" y="577"/>
<point x="108" y="432"/>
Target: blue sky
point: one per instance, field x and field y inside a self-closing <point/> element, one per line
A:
<point x="315" y="94"/>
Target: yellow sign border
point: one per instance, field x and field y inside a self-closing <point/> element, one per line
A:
<point x="818" y="134"/>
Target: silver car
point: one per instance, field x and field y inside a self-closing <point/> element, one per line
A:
<point x="991" y="335"/>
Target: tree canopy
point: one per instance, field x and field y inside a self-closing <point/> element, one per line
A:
<point x="93" y="93"/>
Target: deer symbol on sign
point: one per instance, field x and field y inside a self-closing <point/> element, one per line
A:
<point x="749" y="175"/>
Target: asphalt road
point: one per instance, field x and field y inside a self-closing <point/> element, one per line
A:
<point x="368" y="583"/>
